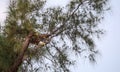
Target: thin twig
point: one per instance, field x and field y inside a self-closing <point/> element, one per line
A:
<point x="66" y="20"/>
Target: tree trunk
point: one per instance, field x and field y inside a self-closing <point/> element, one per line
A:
<point x="18" y="61"/>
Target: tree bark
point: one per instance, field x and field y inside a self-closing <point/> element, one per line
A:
<point x="18" y="61"/>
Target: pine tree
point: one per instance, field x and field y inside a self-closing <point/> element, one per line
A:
<point x="36" y="38"/>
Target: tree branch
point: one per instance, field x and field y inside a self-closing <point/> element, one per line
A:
<point x="18" y="61"/>
<point x="66" y="21"/>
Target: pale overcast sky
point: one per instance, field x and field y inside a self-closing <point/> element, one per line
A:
<point x="109" y="44"/>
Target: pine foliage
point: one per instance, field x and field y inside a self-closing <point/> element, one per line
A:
<point x="71" y="31"/>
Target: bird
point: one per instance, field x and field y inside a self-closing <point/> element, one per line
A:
<point x="39" y="39"/>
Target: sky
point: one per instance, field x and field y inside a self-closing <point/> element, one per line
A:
<point x="108" y="45"/>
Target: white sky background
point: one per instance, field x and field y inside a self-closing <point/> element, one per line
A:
<point x="109" y="44"/>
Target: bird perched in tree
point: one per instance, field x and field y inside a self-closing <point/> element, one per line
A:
<point x="43" y="39"/>
<point x="39" y="39"/>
